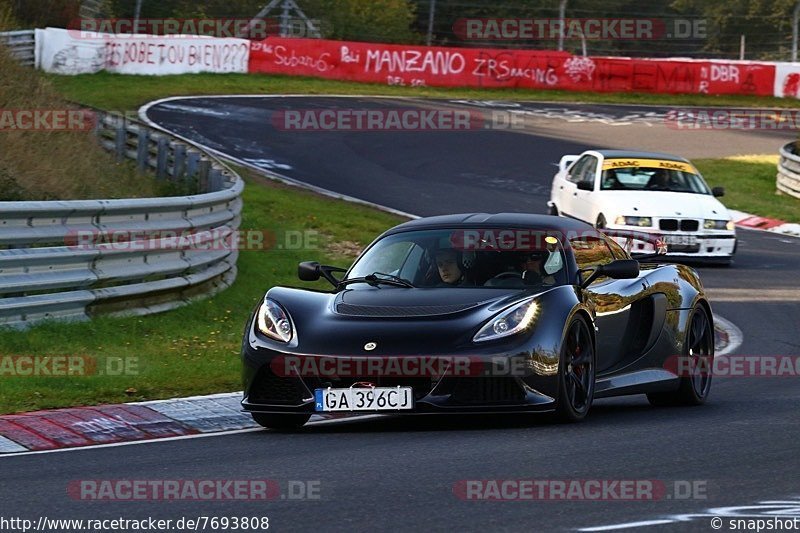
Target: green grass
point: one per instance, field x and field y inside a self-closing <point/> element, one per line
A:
<point x="123" y="92"/>
<point x="750" y="186"/>
<point x="194" y="349"/>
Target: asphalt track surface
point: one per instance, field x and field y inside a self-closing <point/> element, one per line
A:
<point x="399" y="472"/>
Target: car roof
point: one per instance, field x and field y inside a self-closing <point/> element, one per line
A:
<point x="608" y="154"/>
<point x="472" y="220"/>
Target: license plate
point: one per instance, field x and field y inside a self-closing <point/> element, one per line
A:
<point x="687" y="240"/>
<point x="364" y="399"/>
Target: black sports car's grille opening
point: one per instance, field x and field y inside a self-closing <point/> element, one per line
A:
<point x="487" y="390"/>
<point x="395" y="311"/>
<point x="270" y="389"/>
<point x="689" y="225"/>
<point x="668" y="224"/>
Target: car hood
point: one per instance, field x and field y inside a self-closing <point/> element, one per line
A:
<point x="664" y="204"/>
<point x="400" y="321"/>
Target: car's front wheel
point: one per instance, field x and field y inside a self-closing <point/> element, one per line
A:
<point x="576" y="374"/>
<point x="552" y="210"/>
<point x="280" y="421"/>
<point x="695" y="364"/>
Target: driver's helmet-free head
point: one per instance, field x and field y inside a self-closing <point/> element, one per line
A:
<point x="660" y="178"/>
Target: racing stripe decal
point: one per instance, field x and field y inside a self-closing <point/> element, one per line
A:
<point x="648" y="163"/>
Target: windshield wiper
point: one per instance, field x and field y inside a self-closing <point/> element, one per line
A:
<point x="378" y="278"/>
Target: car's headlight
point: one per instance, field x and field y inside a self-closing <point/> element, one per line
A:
<point x="273" y="321"/>
<point x="642" y="222"/>
<point x="511" y="321"/>
<point x="718" y="224"/>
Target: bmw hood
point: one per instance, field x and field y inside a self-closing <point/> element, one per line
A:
<point x="663" y="204"/>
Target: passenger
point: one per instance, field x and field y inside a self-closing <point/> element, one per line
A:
<point x="448" y="264"/>
<point x="533" y="269"/>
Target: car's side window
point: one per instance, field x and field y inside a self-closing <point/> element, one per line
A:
<point x="618" y="251"/>
<point x="589" y="171"/>
<point x="591" y="252"/>
<point x="576" y="170"/>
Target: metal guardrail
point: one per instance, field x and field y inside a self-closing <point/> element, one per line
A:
<point x="788" y="179"/>
<point x="21" y="44"/>
<point x="56" y="260"/>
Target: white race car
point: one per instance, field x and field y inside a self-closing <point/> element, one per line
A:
<point x="646" y="192"/>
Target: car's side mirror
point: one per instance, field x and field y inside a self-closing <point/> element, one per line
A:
<point x="585" y="186"/>
<point x="718" y="191"/>
<point x="619" y="269"/>
<point x="309" y="271"/>
<point x="312" y="271"/>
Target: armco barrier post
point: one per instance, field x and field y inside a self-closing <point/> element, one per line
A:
<point x="204" y="169"/>
<point x="179" y="165"/>
<point x="161" y="157"/>
<point x="121" y="140"/>
<point x="143" y="150"/>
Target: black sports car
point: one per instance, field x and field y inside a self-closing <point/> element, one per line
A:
<point x="479" y="313"/>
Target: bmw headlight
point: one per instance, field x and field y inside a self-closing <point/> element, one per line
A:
<point x="719" y="224"/>
<point x="511" y="321"/>
<point x="642" y="222"/>
<point x="273" y="321"/>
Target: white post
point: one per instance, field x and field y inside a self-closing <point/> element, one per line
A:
<point x="795" y="17"/>
<point x="562" y="12"/>
<point x="136" y="15"/>
<point x="741" y="48"/>
<point x="431" y="15"/>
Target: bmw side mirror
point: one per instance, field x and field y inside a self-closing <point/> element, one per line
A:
<point x="619" y="269"/>
<point x="585" y="186"/>
<point x="718" y="191"/>
<point x="309" y="271"/>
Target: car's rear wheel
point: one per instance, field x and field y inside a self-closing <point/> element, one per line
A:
<point x="576" y="376"/>
<point x="697" y="361"/>
<point x="280" y="421"/>
<point x="601" y="222"/>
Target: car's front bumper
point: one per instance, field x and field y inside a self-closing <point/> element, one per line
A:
<point x="698" y="245"/>
<point x="502" y="389"/>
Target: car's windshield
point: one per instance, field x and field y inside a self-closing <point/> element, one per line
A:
<point x="653" y="178"/>
<point x="513" y="258"/>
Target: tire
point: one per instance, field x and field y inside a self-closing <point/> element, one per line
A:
<point x="699" y="349"/>
<point x="552" y="210"/>
<point x="280" y="421"/>
<point x="601" y="222"/>
<point x="576" y="389"/>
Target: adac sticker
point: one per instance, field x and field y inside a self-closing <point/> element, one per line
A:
<point x="647" y="163"/>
